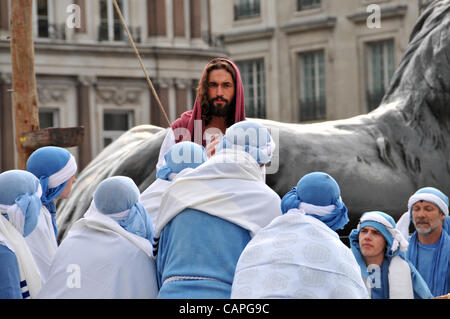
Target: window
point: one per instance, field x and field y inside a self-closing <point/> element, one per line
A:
<point x="195" y="11"/>
<point x="179" y="25"/>
<point x="312" y="86"/>
<point x="42" y="19"/>
<point x="83" y="8"/>
<point x="244" y="9"/>
<point x="307" y="4"/>
<point x="4" y="15"/>
<point x="253" y="78"/>
<point x="380" y="57"/>
<point x="156" y="18"/>
<point x="110" y="26"/>
<point x="48" y="118"/>
<point x="44" y="23"/>
<point x="115" y="123"/>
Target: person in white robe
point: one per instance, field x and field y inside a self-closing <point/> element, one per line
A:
<point x="20" y="203"/>
<point x="299" y="255"/>
<point x="179" y="159"/>
<point x="55" y="168"/>
<point x="107" y="254"/>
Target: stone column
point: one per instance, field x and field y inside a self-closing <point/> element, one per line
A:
<point x="181" y="87"/>
<point x="7" y="148"/>
<point x="84" y="90"/>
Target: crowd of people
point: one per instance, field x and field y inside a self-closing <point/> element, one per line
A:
<point x="210" y="227"/>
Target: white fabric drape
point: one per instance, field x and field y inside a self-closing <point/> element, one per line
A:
<point x="151" y="197"/>
<point x="400" y="283"/>
<point x="42" y="243"/>
<point x="297" y="256"/>
<point x="229" y="185"/>
<point x="112" y="262"/>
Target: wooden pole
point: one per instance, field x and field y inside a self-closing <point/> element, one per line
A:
<point x="26" y="111"/>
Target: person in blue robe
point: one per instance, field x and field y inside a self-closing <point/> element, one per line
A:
<point x="55" y="167"/>
<point x="429" y="246"/>
<point x="19" y="209"/>
<point x="380" y="250"/>
<point x="208" y="216"/>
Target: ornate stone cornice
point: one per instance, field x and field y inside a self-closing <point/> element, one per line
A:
<point x="49" y="94"/>
<point x="118" y="95"/>
<point x="87" y="80"/>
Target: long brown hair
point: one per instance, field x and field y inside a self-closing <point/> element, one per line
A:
<point x="202" y="90"/>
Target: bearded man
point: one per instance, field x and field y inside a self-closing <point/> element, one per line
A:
<point x="218" y="105"/>
<point x="429" y="246"/>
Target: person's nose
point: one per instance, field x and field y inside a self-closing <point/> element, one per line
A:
<point x="419" y="213"/>
<point x="219" y="90"/>
<point x="366" y="236"/>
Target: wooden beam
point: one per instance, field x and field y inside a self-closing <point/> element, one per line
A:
<point x="62" y="137"/>
<point x="23" y="74"/>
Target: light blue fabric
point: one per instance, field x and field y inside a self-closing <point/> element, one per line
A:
<point x="426" y="254"/>
<point x="9" y="274"/>
<point x="196" y="244"/>
<point x="252" y="137"/>
<point x="20" y="187"/>
<point x="118" y="194"/>
<point x="446" y="224"/>
<point x="319" y="189"/>
<point x="43" y="163"/>
<point x="435" y="268"/>
<point x="181" y="156"/>
<point x="420" y="288"/>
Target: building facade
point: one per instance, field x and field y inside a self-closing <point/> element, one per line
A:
<point x="314" y="60"/>
<point x="301" y="60"/>
<point x="88" y="75"/>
